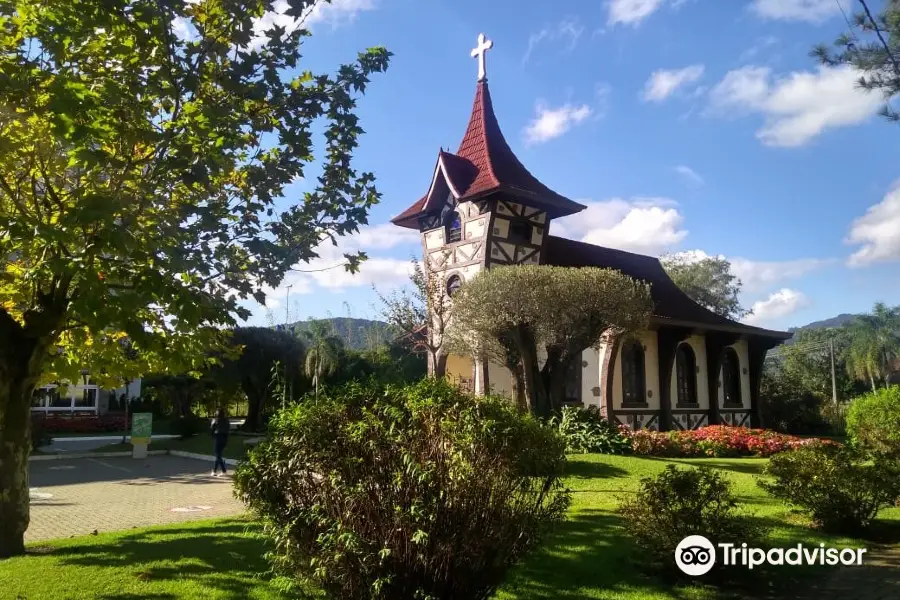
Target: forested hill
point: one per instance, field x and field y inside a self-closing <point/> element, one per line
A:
<point x="358" y="334"/>
<point x="838" y="321"/>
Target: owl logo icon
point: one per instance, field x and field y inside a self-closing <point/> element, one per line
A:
<point x="695" y="555"/>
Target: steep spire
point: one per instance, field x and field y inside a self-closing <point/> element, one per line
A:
<point x="483" y="165"/>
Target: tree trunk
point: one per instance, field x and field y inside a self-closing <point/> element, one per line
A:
<point x="519" y="377"/>
<point x="872" y="380"/>
<point x="17" y="381"/>
<point x="255" y="405"/>
<point x="437" y="363"/>
<point x="535" y="392"/>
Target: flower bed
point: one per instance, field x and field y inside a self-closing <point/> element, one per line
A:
<point x="81" y="424"/>
<point x="716" y="441"/>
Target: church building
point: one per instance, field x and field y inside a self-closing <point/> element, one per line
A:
<point x="690" y="368"/>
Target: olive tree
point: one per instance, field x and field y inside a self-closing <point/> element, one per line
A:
<point x="143" y="146"/>
<point x="539" y="319"/>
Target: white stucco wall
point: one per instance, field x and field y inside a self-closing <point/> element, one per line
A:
<point x="698" y="345"/>
<point x="743" y="353"/>
<point x="590" y="378"/>
<point x="501" y="381"/>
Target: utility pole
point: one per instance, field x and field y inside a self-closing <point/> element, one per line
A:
<point x="287" y="321"/>
<point x="834" y="395"/>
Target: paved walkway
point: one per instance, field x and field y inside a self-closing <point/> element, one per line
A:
<point x="877" y="579"/>
<point x="78" y="496"/>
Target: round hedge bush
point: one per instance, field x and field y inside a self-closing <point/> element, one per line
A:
<point x="873" y="422"/>
<point x="404" y="492"/>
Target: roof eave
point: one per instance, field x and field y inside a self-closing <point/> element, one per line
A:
<point x="730" y="328"/>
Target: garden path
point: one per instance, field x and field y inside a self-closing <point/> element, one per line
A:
<point x="877" y="579"/>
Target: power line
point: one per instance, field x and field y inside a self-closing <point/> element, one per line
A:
<point x="884" y="43"/>
<point x="847" y="20"/>
<point x="320" y="270"/>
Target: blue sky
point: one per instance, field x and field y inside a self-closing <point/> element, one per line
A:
<point x="684" y="125"/>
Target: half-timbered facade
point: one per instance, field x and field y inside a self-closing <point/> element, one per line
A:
<point x="690" y="368"/>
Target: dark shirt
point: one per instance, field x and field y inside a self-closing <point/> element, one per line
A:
<point x="220" y="429"/>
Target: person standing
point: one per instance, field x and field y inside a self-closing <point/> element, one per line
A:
<point x="219" y="429"/>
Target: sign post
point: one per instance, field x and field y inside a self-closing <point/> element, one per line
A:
<point x="141" y="428"/>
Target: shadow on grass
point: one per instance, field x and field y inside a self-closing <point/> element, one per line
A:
<point x="227" y="556"/>
<point x="590" y="552"/>
<point x="593" y="470"/>
<point x="750" y="468"/>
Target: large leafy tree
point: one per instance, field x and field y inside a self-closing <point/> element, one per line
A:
<point x="261" y="348"/>
<point x="543" y="318"/>
<point x="139" y="169"/>
<point x="708" y="281"/>
<point x="873" y="48"/>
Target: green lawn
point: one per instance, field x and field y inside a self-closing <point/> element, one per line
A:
<point x="200" y="444"/>
<point x="212" y="560"/>
<point x="590" y="557"/>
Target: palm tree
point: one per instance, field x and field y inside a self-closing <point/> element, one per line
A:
<point x="875" y="343"/>
<point x="323" y="355"/>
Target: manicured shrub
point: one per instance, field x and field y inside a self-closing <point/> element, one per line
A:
<point x="681" y="502"/>
<point x="836" y="486"/>
<point x="586" y="430"/>
<point x="715" y="441"/>
<point x="401" y="492"/>
<point x="62" y="424"/>
<point x="873" y="422"/>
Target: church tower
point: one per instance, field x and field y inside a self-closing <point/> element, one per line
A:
<point x="483" y="208"/>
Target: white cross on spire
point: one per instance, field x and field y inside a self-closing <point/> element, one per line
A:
<point x="484" y="45"/>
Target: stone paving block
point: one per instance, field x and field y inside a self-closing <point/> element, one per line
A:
<point x="79" y="496"/>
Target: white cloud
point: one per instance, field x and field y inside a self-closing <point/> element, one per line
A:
<point x="663" y="83"/>
<point x="758" y="276"/>
<point x="630" y="12"/>
<point x="644" y="225"/>
<point x="878" y="231"/>
<point x="811" y="11"/>
<point x="782" y="303"/>
<point x="690" y="175"/>
<point x="550" y="123"/>
<point x="797" y="107"/>
<point x="569" y="30"/>
<point x="334" y="12"/>
<point x="377" y="270"/>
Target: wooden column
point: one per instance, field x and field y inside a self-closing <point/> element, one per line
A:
<point x="668" y="339"/>
<point x="607" y="370"/>
<point x="757" y="348"/>
<point x="716" y="342"/>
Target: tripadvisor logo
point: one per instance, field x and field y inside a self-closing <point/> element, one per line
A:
<point x="696" y="555"/>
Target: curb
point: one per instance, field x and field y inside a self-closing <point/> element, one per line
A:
<point x="63" y="456"/>
<point x="103" y="438"/>
<point x="208" y="457"/>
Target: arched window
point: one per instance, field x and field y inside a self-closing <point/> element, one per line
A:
<point x="686" y="375"/>
<point x="731" y="377"/>
<point x="453" y="284"/>
<point x="452" y="225"/>
<point x="634" y="383"/>
<point x="573" y="380"/>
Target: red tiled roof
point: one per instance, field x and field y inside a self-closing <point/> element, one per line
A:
<point x="671" y="303"/>
<point x="484" y="163"/>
